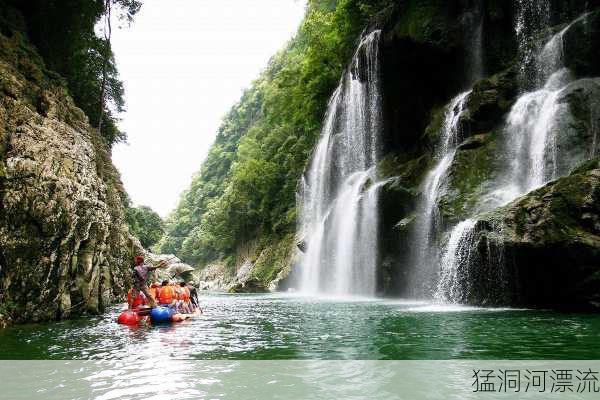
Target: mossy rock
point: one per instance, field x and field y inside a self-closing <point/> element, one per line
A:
<point x="50" y="220"/>
<point x="490" y="100"/>
<point x="427" y="21"/>
<point x="470" y="177"/>
<point x="396" y="201"/>
<point x="435" y="126"/>
<point x="586" y="166"/>
<point x="273" y="259"/>
<point x="548" y="246"/>
<point x="410" y="172"/>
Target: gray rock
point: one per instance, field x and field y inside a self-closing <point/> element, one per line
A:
<point x="64" y="247"/>
<point x="542" y="250"/>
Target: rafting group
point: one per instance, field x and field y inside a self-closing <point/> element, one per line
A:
<point x="166" y="302"/>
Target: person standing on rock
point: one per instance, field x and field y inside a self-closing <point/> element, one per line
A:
<point x="140" y="277"/>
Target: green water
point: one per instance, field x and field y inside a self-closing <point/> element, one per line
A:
<point x="277" y="326"/>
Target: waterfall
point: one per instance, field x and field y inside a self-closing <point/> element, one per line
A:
<point x="473" y="31"/>
<point x="424" y="255"/>
<point x="531" y="127"/>
<point x="532" y="17"/>
<point x="339" y="194"/>
<point x="457" y="254"/>
<point x="532" y="153"/>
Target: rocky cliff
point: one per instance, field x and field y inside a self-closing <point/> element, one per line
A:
<point x="257" y="268"/>
<point x="64" y="249"/>
<point x="542" y="248"/>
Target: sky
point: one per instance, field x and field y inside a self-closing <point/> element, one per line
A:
<point x="184" y="63"/>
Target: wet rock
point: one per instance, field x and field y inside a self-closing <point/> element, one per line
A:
<point x="473" y="142"/>
<point x="396" y="201"/>
<point x="489" y="101"/>
<point x="470" y="177"/>
<point x="582" y="45"/>
<point x="547" y="245"/>
<point x="577" y="124"/>
<point x="301" y="244"/>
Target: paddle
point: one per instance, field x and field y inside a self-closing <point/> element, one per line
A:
<point x="143" y="311"/>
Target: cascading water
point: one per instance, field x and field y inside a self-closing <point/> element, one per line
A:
<point x="424" y="256"/>
<point x="339" y="195"/>
<point x="532" y="17"/>
<point x="532" y="152"/>
<point x="532" y="126"/>
<point x="456" y="254"/>
<point x="473" y="25"/>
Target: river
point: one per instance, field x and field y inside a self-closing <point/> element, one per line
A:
<point x="281" y="326"/>
<point x="291" y="347"/>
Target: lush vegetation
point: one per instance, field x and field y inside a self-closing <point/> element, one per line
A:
<point x="64" y="33"/>
<point x="145" y="224"/>
<point x="246" y="187"/>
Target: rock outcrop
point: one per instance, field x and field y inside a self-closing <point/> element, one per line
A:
<point x="480" y="157"/>
<point x="542" y="250"/>
<point x="64" y="248"/>
<point x="258" y="269"/>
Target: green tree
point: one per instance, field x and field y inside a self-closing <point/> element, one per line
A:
<point x="145" y="224"/>
<point x="64" y="33"/>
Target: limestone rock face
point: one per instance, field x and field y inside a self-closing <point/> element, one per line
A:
<point x="64" y="248"/>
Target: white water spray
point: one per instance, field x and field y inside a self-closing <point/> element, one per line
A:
<point x="339" y="210"/>
<point x="424" y="255"/>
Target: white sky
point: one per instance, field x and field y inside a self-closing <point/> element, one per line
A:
<point x="184" y="64"/>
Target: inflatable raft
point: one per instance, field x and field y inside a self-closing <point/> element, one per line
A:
<point x="157" y="315"/>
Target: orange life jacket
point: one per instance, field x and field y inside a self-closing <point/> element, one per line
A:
<point x="166" y="295"/>
<point x="154" y="292"/>
<point x="184" y="294"/>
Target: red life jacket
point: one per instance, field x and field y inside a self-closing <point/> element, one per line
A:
<point x="139" y="300"/>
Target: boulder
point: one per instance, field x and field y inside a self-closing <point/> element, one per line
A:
<point x="542" y="250"/>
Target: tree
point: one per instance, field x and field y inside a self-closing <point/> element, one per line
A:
<point x="64" y="33"/>
<point x="127" y="9"/>
<point x="145" y="224"/>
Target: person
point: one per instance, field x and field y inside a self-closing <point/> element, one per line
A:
<point x="166" y="295"/>
<point x="135" y="299"/>
<point x="140" y="277"/>
<point x="154" y="290"/>
<point x="194" y="296"/>
<point x="184" y="295"/>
